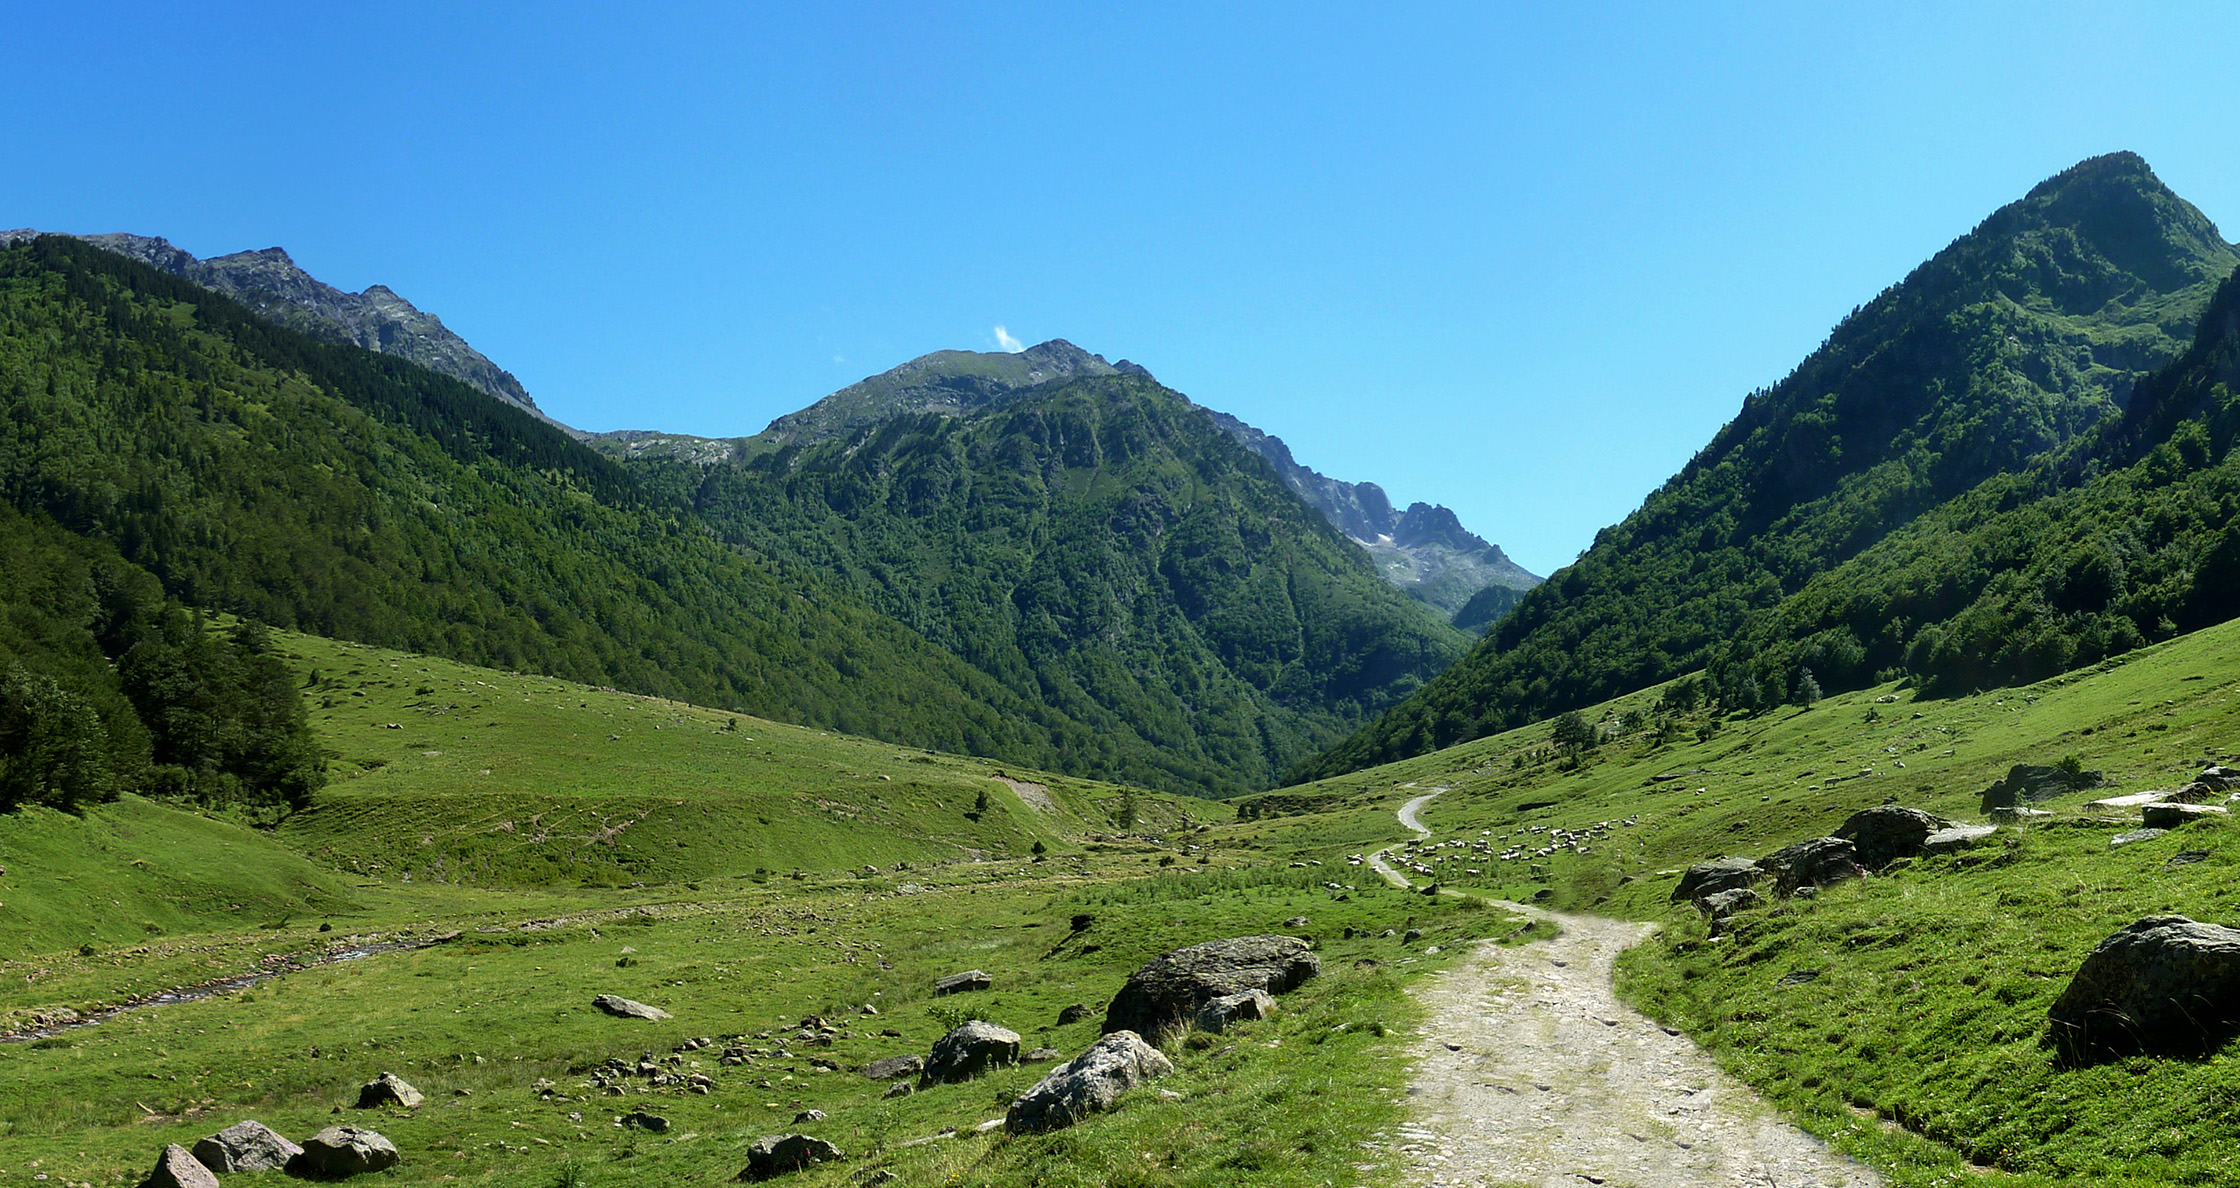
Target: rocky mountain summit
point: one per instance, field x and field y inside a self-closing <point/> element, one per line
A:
<point x="273" y="285"/>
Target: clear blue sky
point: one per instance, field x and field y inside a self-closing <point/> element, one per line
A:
<point x="1521" y="260"/>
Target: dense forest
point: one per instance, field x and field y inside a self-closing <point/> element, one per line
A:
<point x="2022" y="337"/>
<point x="1099" y="547"/>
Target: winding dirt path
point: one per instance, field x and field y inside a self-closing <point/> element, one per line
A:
<point x="1529" y="1071"/>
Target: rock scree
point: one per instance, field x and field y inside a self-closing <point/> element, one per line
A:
<point x="1087" y="1084"/>
<point x="1161" y="1000"/>
<point x="245" y="1146"/>
<point x="968" y="1051"/>
<point x="2164" y="985"/>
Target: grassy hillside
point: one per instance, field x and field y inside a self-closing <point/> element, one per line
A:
<point x="1918" y="1042"/>
<point x="2020" y="336"/>
<point x="1172" y="613"/>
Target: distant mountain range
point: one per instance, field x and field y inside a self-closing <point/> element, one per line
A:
<point x="377" y="319"/>
<point x="1423" y="550"/>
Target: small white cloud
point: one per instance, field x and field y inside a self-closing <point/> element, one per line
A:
<point x="1004" y="340"/>
<point x="839" y="358"/>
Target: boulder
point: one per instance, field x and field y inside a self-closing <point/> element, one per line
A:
<point x="624" y="1008"/>
<point x="2164" y="985"/>
<point x="1041" y="1056"/>
<point x="245" y="1146"/>
<point x="959" y="983"/>
<point x="2172" y="814"/>
<point x="178" y="1168"/>
<point x="900" y="1089"/>
<point x="645" y="1121"/>
<point x="340" y="1151"/>
<point x="1219" y="1013"/>
<point x="2135" y="835"/>
<point x="1885" y="833"/>
<point x="1956" y="837"/>
<point x="387" y="1089"/>
<point x="1161" y="999"/>
<point x="776" y="1154"/>
<point x="1721" y="904"/>
<point x="894" y="1067"/>
<point x="1073" y="1014"/>
<point x="2026" y="783"/>
<point x="1719" y="874"/>
<point x="1814" y="863"/>
<point x="969" y="1051"/>
<point x="1087" y="1083"/>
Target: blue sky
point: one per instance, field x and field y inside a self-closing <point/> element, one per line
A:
<point x="1516" y="260"/>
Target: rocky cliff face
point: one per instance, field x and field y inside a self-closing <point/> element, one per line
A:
<point x="377" y="319"/>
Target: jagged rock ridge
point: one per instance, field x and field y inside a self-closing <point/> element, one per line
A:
<point x="378" y="319"/>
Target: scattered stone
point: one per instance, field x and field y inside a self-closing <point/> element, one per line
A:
<point x="1041" y="1056"/>
<point x="959" y="983"/>
<point x="1073" y="1014"/>
<point x="1411" y="936"/>
<point x="2015" y="814"/>
<point x="2136" y="835"/>
<point x="1217" y="1014"/>
<point x="1814" y="863"/>
<point x="1798" y="977"/>
<point x="1088" y="1083"/>
<point x="900" y="1089"/>
<point x="776" y="1154"/>
<point x="895" y="1066"/>
<point x="1160" y="999"/>
<point x="2172" y="814"/>
<point x="387" y="1089"/>
<point x="620" y="1007"/>
<point x="1719" y="874"/>
<point x="969" y="1051"/>
<point x="1886" y="833"/>
<point x="2185" y="858"/>
<point x="178" y="1168"/>
<point x="340" y="1151"/>
<point x="645" y="1121"/>
<point x="1295" y="922"/>
<point x="1956" y="837"/>
<point x="245" y="1146"/>
<point x="2163" y="984"/>
<point x="808" y="1116"/>
<point x="2027" y="783"/>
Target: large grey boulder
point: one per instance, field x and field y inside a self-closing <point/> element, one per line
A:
<point x="1885" y="833"/>
<point x="959" y="983"/>
<point x="895" y="1067"/>
<point x="2163" y="984"/>
<point x="1087" y="1083"/>
<point x="1160" y="1000"/>
<point x="776" y="1154"/>
<point x="2027" y="783"/>
<point x="178" y="1168"/>
<point x="969" y="1051"/>
<point x="1240" y="1007"/>
<point x="340" y="1151"/>
<point x="245" y="1146"/>
<point x="2174" y="814"/>
<point x="1721" y="904"/>
<point x="388" y="1089"/>
<point x="1718" y="874"/>
<point x="1813" y="863"/>
<point x="624" y="1008"/>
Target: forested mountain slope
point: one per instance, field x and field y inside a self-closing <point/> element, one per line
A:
<point x="255" y="470"/>
<point x="2017" y="338"/>
<point x="1098" y="545"/>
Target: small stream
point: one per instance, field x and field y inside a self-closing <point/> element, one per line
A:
<point x="225" y="985"/>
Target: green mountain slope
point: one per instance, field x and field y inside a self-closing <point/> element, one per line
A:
<point x="1106" y="552"/>
<point x="254" y="470"/>
<point x="2017" y="338"/>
